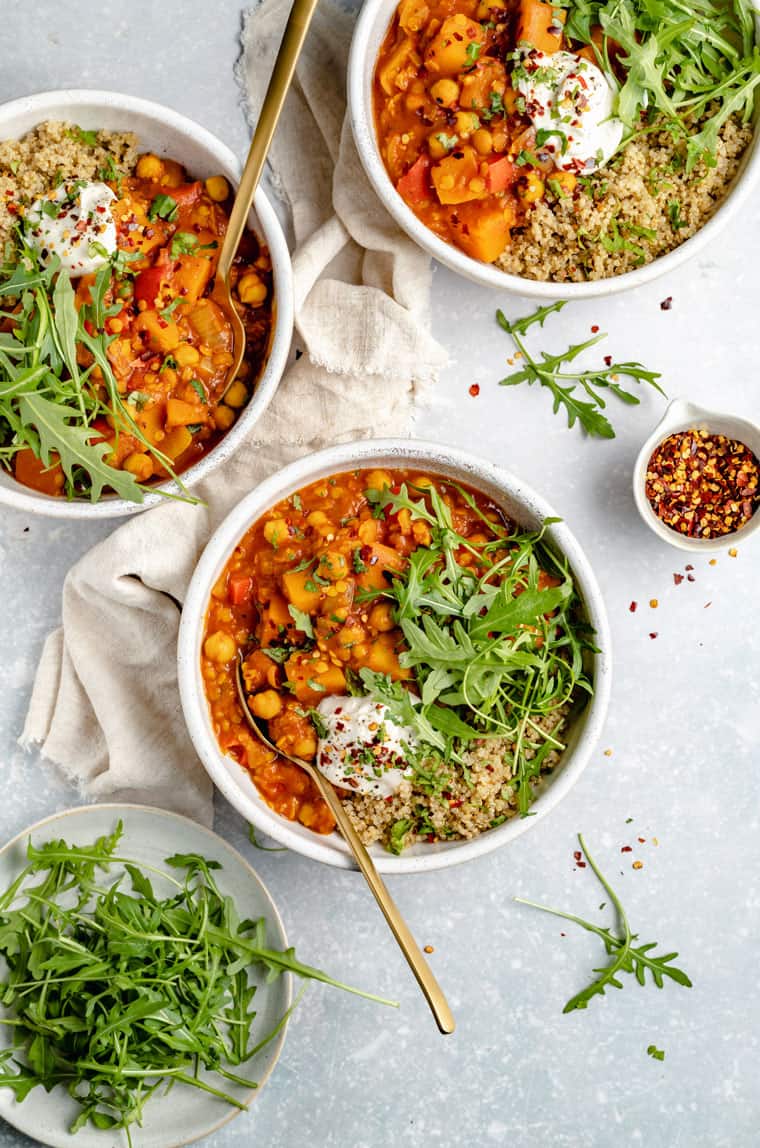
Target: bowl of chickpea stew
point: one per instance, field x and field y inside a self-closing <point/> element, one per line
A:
<point x="450" y="104"/>
<point x="299" y="583"/>
<point x="136" y="410"/>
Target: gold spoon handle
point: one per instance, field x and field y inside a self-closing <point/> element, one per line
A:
<point x="279" y="83"/>
<point x="417" y="963"/>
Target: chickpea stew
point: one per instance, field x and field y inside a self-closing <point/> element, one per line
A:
<point x="123" y="266"/>
<point x="417" y="597"/>
<point x="543" y="138"/>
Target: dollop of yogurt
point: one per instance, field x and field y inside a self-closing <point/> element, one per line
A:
<point x="75" y="223"/>
<point x="572" y="99"/>
<point x="360" y="747"/>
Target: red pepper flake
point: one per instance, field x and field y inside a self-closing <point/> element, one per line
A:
<point x="678" y="579"/>
<point x="638" y="865"/>
<point x="733" y="552"/>
<point x="688" y="567"/>
<point x="653" y="603"/>
<point x="713" y="562"/>
<point x="429" y="949"/>
<point x="632" y="607"/>
<point x="666" y="303"/>
<point x="703" y="485"/>
<point x="608" y="360"/>
<point x="641" y="840"/>
<point x="653" y="635"/>
<point x="627" y="849"/>
<point x="690" y="578"/>
<point x="475" y="390"/>
<point x="581" y="864"/>
<point x="577" y="856"/>
<point x="706" y="605"/>
<point x="594" y="329"/>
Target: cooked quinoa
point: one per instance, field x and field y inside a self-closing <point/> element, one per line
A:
<point x="639" y="207"/>
<point x="466" y="807"/>
<point x="49" y="154"/>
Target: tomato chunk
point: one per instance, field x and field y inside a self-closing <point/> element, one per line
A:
<point x="414" y="186"/>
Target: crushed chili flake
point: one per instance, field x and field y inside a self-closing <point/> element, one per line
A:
<point x="653" y="603"/>
<point x="666" y="303"/>
<point x="594" y="329"/>
<point x="638" y="865"/>
<point x="429" y="949"/>
<point x="733" y="552"/>
<point x="641" y="840"/>
<point x="577" y="856"/>
<point x="713" y="562"/>
<point x="475" y="390"/>
<point x="632" y="607"/>
<point x="706" y="605"/>
<point x="608" y="753"/>
<point x="627" y="849"/>
<point x="678" y="579"/>
<point x="608" y="360"/>
<point x="703" y="485"/>
<point x="653" y="635"/>
<point x="688" y="567"/>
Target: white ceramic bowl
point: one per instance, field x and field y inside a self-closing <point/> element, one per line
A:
<point x="371" y="27"/>
<point x="682" y="415"/>
<point x="522" y="504"/>
<point x="166" y="132"/>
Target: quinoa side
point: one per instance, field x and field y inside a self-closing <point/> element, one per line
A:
<point x="465" y="808"/>
<point x="564" y="238"/>
<point x="49" y="154"/>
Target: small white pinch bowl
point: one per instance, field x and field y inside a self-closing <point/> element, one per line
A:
<point x="370" y="30"/>
<point x="161" y="130"/>
<point x="682" y="415"/>
<point x="523" y="505"/>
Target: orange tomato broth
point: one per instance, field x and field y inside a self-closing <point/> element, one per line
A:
<point x="448" y="123"/>
<point x="171" y="343"/>
<point x="316" y="551"/>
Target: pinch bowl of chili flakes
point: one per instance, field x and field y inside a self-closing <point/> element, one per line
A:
<point x="696" y="481"/>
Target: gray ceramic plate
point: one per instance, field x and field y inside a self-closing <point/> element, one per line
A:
<point x="183" y="1115"/>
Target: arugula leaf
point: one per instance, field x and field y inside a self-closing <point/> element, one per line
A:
<point x="73" y="446"/>
<point x="626" y="957"/>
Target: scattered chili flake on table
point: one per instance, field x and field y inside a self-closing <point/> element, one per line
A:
<point x="632" y="607"/>
<point x="638" y="865"/>
<point x="703" y="485"/>
<point x="608" y="753"/>
<point x="653" y="635"/>
<point x="733" y="552"/>
<point x="713" y="562"/>
<point x="594" y="329"/>
<point x="429" y="949"/>
<point x="653" y="603"/>
<point x="475" y="390"/>
<point x="678" y="579"/>
<point x="666" y="303"/>
<point x="627" y="849"/>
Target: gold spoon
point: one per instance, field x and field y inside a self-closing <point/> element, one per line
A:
<point x="398" y="926"/>
<point x="282" y="75"/>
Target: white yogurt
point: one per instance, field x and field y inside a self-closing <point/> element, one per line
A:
<point x="574" y="100"/>
<point x="69" y="221"/>
<point x="362" y="748"/>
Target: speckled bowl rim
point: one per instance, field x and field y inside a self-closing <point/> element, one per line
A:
<point x="682" y="415"/>
<point x="64" y="105"/>
<point x="118" y="808"/>
<point x="371" y="25"/>
<point x="232" y="779"/>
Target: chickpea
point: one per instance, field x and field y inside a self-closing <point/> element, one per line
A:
<point x="530" y="187"/>
<point x="316" y="518"/>
<point x="378" y="480"/>
<point x="482" y="141"/>
<point x="220" y="647"/>
<point x="333" y="565"/>
<point x="445" y="92"/>
<point x="185" y="355"/>
<point x="566" y="180"/>
<point x="465" y="123"/>
<point x="251" y="290"/>
<point x="149" y="166"/>
<point x="217" y="188"/>
<point x="305" y="746"/>
<point x="381" y="616"/>
<point x="237" y="395"/>
<point x="140" y="465"/>
<point x="266" y="705"/>
<point x="275" y="531"/>
<point x="224" y="417"/>
<point x="436" y="147"/>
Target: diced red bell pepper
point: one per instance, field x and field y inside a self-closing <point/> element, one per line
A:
<point x="502" y="173"/>
<point x="239" y="589"/>
<point x="414" y="185"/>
<point x="148" y="285"/>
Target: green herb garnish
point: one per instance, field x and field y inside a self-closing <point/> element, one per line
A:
<point x="655" y="1052"/>
<point x="183" y="243"/>
<point x="562" y="384"/>
<point x="116" y="991"/>
<point x="88" y="138"/>
<point x="302" y="621"/>
<point x="164" y="207"/>
<point x="626" y="957"/>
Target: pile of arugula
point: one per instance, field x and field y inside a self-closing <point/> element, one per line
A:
<point x="48" y="402"/>
<point x="114" y="994"/>
<point x="493" y="655"/>
<point x="687" y="64"/>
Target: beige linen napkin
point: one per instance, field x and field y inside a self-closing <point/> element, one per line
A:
<point x="105" y="706"/>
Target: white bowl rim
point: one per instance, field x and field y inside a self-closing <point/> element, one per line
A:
<point x="67" y="100"/>
<point x="683" y="414"/>
<point x="331" y="849"/>
<point x="362" y="124"/>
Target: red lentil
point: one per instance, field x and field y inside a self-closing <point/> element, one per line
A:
<point x="703" y="485"/>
